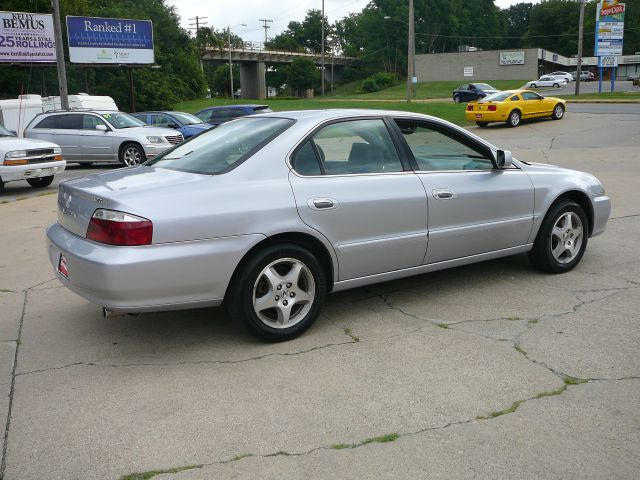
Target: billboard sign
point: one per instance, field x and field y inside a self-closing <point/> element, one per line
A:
<point x="609" y="61"/>
<point x="26" y="37"/>
<point x="609" y="28"/>
<point x="512" y="57"/>
<point x="110" y="40"/>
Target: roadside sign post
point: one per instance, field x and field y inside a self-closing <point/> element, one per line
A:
<point x="609" y="37"/>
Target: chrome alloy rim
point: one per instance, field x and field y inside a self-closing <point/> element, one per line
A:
<point x="515" y="118"/>
<point x="566" y="237"/>
<point x="132" y="157"/>
<point x="283" y="293"/>
<point x="559" y="111"/>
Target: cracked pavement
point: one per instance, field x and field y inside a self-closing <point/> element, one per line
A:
<point x="488" y="371"/>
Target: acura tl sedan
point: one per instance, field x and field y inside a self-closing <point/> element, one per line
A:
<point x="269" y="213"/>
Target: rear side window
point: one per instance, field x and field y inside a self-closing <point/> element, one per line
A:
<point x="70" y="122"/>
<point x="48" y="122"/>
<point x="223" y="148"/>
<point x="305" y="161"/>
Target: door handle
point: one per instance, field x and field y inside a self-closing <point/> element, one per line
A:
<point x="322" y="203"/>
<point x="442" y="193"/>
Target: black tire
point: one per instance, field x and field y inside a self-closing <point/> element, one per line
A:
<point x="547" y="241"/>
<point x="558" y="112"/>
<point x="40" y="182"/>
<point x="132" y="154"/>
<point x="456" y="99"/>
<point x="482" y="124"/>
<point x="250" y="280"/>
<point x="533" y="85"/>
<point x="555" y="85"/>
<point x="513" y="120"/>
<point x="1" y="186"/>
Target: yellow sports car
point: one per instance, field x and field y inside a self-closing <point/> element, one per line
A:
<point x="512" y="106"/>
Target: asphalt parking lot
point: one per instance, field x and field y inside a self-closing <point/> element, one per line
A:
<point x="490" y="371"/>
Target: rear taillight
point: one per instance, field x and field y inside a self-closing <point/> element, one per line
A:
<point x="470" y="108"/>
<point x="119" y="228"/>
<point x="492" y="108"/>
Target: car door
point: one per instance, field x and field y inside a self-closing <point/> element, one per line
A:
<point x="97" y="144"/>
<point x="533" y="105"/>
<point x="68" y="134"/>
<point x="351" y="186"/>
<point x="474" y="208"/>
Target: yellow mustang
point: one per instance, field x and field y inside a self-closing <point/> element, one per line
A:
<point x="511" y="106"/>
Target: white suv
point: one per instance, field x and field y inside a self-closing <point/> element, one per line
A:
<point x="35" y="161"/>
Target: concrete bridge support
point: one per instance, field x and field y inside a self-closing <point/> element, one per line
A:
<point x="252" y="80"/>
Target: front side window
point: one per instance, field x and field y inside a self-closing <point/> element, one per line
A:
<point x="357" y="146"/>
<point x="122" y="120"/>
<point x="531" y="96"/>
<point x="161" y="120"/>
<point x="222" y="148"/>
<point x="90" y="122"/>
<point x="434" y="150"/>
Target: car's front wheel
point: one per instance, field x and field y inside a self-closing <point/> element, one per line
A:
<point x="533" y="85"/>
<point x="40" y="182"/>
<point x="132" y="154"/>
<point x="562" y="238"/>
<point x="514" y="118"/>
<point x="279" y="292"/>
<point x="558" y="112"/>
<point x="555" y="85"/>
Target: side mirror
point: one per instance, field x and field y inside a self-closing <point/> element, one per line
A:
<point x="503" y="158"/>
<point x="102" y="128"/>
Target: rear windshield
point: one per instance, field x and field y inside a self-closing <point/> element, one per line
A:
<point x="497" y="97"/>
<point x="221" y="149"/>
<point x="483" y="86"/>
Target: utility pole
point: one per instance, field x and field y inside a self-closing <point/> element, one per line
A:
<point x="62" y="72"/>
<point x="410" y="53"/>
<point x="266" y="27"/>
<point x="580" y="32"/>
<point x="322" y="47"/>
<point x="198" y="23"/>
<point x="230" y="62"/>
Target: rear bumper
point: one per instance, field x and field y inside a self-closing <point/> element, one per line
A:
<point x="601" y="211"/>
<point x="35" y="170"/>
<point x="148" y="278"/>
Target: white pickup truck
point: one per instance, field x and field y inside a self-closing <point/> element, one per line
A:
<point x="35" y="161"/>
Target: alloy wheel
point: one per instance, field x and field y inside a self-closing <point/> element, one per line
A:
<point x="566" y="237"/>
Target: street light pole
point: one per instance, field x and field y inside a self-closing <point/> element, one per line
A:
<point x="62" y="72"/>
<point x="322" y="47"/>
<point x="580" y="32"/>
<point x="230" y="61"/>
<point x="410" y="53"/>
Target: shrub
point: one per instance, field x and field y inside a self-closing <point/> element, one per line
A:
<point x="378" y="81"/>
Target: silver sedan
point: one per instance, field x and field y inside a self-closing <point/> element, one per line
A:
<point x="269" y="213"/>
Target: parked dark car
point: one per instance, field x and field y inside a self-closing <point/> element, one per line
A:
<point x="218" y="115"/>
<point x="187" y="124"/>
<point x="472" y="91"/>
<point x="633" y="76"/>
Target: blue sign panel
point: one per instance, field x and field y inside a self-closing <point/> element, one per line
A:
<point x="109" y="40"/>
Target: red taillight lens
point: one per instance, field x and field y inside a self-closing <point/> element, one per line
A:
<point x="119" y="228"/>
<point x="470" y="108"/>
<point x="492" y="108"/>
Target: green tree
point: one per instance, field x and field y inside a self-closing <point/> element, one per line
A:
<point x="302" y="74"/>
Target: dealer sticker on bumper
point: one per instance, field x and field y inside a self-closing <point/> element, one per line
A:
<point x="478" y="115"/>
<point x="62" y="266"/>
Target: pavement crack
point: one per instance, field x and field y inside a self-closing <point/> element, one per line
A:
<point x="3" y="462"/>
<point x="195" y="362"/>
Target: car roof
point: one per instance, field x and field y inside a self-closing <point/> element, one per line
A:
<point x="337" y="113"/>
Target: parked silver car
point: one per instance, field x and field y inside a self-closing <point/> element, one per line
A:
<point x="102" y="136"/>
<point x="269" y="213"/>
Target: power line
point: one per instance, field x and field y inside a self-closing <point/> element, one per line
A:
<point x="265" y="21"/>
<point x="505" y="36"/>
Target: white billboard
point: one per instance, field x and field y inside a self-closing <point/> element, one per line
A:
<point x="514" y="57"/>
<point x="26" y="37"/>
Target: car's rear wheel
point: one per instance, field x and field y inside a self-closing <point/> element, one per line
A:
<point x="456" y="99"/>
<point x="279" y="292"/>
<point x="514" y="118"/>
<point x="132" y="154"/>
<point x="558" y="112"/>
<point x="555" y="85"/>
<point x="40" y="182"/>
<point x="562" y="238"/>
<point x="482" y="124"/>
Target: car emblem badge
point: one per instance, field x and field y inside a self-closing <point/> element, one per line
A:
<point x="98" y="200"/>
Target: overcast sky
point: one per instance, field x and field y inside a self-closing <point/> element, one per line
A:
<point x="222" y="13"/>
